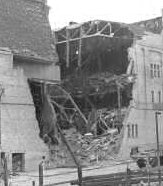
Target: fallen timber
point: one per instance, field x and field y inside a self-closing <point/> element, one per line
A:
<point x="117" y="179"/>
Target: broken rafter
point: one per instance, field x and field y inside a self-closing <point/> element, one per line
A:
<point x="103" y="29"/>
<point x="60" y="108"/>
<point x="84" y="37"/>
<point x="67" y="96"/>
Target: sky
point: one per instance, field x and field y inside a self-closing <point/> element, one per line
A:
<point x="64" y="11"/>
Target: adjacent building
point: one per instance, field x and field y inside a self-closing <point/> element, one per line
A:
<point x="146" y="107"/>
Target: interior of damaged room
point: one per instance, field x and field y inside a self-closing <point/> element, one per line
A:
<point x="91" y="101"/>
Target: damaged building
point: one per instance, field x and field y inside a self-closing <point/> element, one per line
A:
<point x="27" y="54"/>
<point x="113" y="70"/>
<point x="146" y="106"/>
<point x="106" y="102"/>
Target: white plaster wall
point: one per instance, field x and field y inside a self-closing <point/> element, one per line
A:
<point x="18" y="124"/>
<point x="40" y="71"/>
<point x="146" y="131"/>
<point x="142" y="112"/>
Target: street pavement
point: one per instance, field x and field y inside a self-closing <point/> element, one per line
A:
<point x="63" y="176"/>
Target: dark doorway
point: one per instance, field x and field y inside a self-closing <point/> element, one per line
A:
<point x="2" y="162"/>
<point x="2" y="155"/>
<point x="18" y="162"/>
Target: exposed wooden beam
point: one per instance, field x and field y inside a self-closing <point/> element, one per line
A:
<point x="67" y="48"/>
<point x="80" y="47"/>
<point x="84" y="37"/>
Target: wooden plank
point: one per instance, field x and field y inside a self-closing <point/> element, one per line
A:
<point x="67" y="49"/>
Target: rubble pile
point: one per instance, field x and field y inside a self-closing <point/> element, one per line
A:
<point x="88" y="149"/>
<point x="91" y="148"/>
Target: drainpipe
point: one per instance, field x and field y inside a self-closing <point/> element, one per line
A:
<point x="162" y="18"/>
<point x="162" y="23"/>
<point x="1" y="93"/>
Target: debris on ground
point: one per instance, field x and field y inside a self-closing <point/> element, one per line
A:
<point x="90" y="148"/>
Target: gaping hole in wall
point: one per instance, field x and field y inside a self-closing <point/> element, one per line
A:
<point x="2" y="162"/>
<point x="98" y="53"/>
<point x="91" y="101"/>
<point x="43" y="113"/>
<point x="94" y="62"/>
<point x="36" y="90"/>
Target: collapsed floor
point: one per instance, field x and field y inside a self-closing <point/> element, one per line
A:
<point x="96" y="141"/>
<point x="90" y="103"/>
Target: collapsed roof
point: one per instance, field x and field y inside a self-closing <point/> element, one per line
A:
<point x="98" y="39"/>
<point x="25" y="29"/>
<point x="93" y="55"/>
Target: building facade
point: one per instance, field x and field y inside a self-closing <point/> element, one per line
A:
<point x="27" y="51"/>
<point x="140" y="121"/>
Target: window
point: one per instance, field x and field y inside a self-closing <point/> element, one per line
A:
<point x="134" y="150"/>
<point x="155" y="71"/>
<point x="132" y="130"/>
<point x="159" y="96"/>
<point x="18" y="162"/>
<point x="158" y="70"/>
<point x="136" y="130"/>
<point x="128" y="129"/>
<point x="151" y="70"/>
<point x="152" y="95"/>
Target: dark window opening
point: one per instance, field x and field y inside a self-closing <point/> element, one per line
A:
<point x="159" y="96"/>
<point x="133" y="131"/>
<point x="18" y="162"/>
<point x="134" y="150"/>
<point x="2" y="160"/>
<point x="155" y="70"/>
<point x="128" y="129"/>
<point x="2" y="155"/>
<point x="152" y="94"/>
<point x="158" y="70"/>
<point x="136" y="130"/>
<point x="151" y="70"/>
